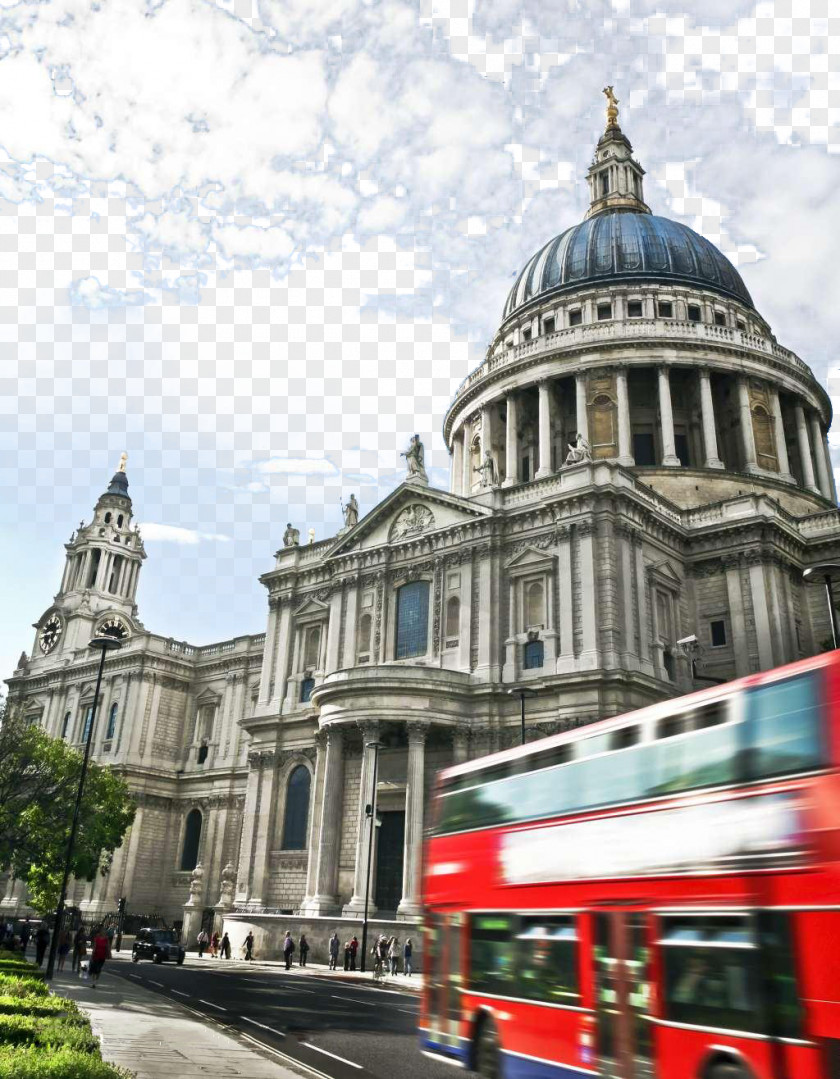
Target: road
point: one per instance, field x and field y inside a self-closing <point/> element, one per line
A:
<point x="341" y="1029"/>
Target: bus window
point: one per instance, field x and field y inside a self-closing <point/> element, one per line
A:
<point x="784" y="1009"/>
<point x="547" y="959"/>
<point x="783" y="726"/>
<point x="711" y="970"/>
<point x="492" y="954"/>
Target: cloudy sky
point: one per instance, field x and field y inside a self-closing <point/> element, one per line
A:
<point x="256" y="245"/>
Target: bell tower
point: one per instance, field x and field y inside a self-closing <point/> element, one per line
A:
<point x="104" y="557"/>
<point x="615" y="177"/>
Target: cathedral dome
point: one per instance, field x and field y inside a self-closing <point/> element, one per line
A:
<point x="624" y="246"/>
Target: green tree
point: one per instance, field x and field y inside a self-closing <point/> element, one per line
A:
<point x="39" y="777"/>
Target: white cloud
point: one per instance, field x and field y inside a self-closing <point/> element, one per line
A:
<point x="296" y="466"/>
<point x="184" y="537"/>
<point x="90" y="292"/>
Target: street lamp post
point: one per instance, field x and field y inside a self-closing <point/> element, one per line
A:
<point x="370" y="812"/>
<point x="522" y="694"/>
<point x="103" y="644"/>
<point x="825" y="570"/>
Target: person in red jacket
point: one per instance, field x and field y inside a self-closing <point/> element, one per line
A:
<point x="100" y="951"/>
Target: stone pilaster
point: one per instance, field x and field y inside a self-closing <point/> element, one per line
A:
<point x="325" y="899"/>
<point x="625" y="448"/>
<point x="370" y="733"/>
<point x="410" y="904"/>
<point x="707" y="409"/>
<point x="511" y="441"/>
<point x="669" y="449"/>
<point x="544" y="431"/>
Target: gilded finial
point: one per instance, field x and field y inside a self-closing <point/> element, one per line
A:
<point x="123" y="459"/>
<point x="612" y="107"/>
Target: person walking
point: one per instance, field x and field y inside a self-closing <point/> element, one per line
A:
<point x="334" y="952"/>
<point x="203" y="939"/>
<point x="214" y="946"/>
<point x="407" y="957"/>
<point x="249" y="947"/>
<point x="79" y="948"/>
<point x="25" y="934"/>
<point x="42" y="940"/>
<point x="347" y="955"/>
<point x="304" y="950"/>
<point x="225" y="947"/>
<point x="100" y="951"/>
<point x="288" y="949"/>
<point x="354" y="947"/>
<point x="394" y="953"/>
<point x="63" y="948"/>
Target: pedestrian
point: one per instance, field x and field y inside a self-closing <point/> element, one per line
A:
<point x="382" y="952"/>
<point x="394" y="953"/>
<point x="100" y="951"/>
<point x="25" y="934"/>
<point x="334" y="951"/>
<point x="249" y="947"/>
<point x="354" y="947"/>
<point x="407" y="957"/>
<point x="214" y="946"/>
<point x="347" y="955"/>
<point x="63" y="948"/>
<point x="79" y="947"/>
<point x="225" y="947"/>
<point x="203" y="939"/>
<point x="42" y="939"/>
<point x="288" y="949"/>
<point x="304" y="949"/>
<point x="3" y="932"/>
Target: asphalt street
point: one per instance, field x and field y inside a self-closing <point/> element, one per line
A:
<point x="339" y="1029"/>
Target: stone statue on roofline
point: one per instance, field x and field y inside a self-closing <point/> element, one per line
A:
<point x="291" y="537"/>
<point x="579" y="452"/>
<point x="488" y="471"/>
<point x="414" y="461"/>
<point x="351" y="512"/>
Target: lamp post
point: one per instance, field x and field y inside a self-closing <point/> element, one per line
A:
<point x="370" y="812"/>
<point x="522" y="693"/>
<point x="102" y="644"/>
<point x="825" y="570"/>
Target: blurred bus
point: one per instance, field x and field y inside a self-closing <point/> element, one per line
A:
<point x="656" y="894"/>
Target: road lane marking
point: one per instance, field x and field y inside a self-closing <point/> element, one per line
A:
<point x="158" y="984"/>
<point x="136" y="977"/>
<point x="279" y="1033"/>
<point x="367" y="1003"/>
<point x="180" y="994"/>
<point x="335" y="1056"/>
<point x="299" y="1064"/>
<point x="210" y="1004"/>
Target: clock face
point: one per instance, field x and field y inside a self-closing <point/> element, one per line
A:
<point x="50" y="633"/>
<point x="113" y="627"/>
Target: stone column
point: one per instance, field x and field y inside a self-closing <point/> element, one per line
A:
<point x="280" y="666"/>
<point x="267" y="671"/>
<point x="707" y="408"/>
<point x="370" y="732"/>
<point x="334" y="632"/>
<point x="669" y="450"/>
<point x="779" y="430"/>
<point x="460" y="746"/>
<point x="512" y="442"/>
<point x="486" y="432"/>
<point x="544" y="426"/>
<point x="350" y="617"/>
<point x="410" y="904"/>
<point x="830" y="467"/>
<point x="761" y="616"/>
<point x="325" y="900"/>
<point x="747" y="433"/>
<point x="457" y="476"/>
<point x="805" y="449"/>
<point x="468" y="465"/>
<point x="581" y="415"/>
<point x="264" y="820"/>
<point x="737" y="619"/>
<point x="818" y="442"/>
<point x="625" y="447"/>
<point x="316" y="803"/>
<point x="247" y="843"/>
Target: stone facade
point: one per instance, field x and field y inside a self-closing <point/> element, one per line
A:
<point x="697" y="493"/>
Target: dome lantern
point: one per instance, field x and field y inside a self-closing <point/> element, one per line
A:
<point x="615" y="177"/>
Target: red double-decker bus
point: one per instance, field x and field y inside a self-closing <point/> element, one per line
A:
<point x="656" y="894"/>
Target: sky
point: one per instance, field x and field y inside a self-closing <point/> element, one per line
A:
<point x="258" y="245"/>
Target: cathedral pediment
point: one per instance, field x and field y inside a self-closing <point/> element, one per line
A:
<point x="529" y="559"/>
<point x="312" y="608"/>
<point x="408" y="513"/>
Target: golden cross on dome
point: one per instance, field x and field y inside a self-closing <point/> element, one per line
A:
<point x="123" y="459"/>
<point x="612" y="107"/>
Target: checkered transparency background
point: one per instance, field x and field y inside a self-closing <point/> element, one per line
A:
<point x="251" y="387"/>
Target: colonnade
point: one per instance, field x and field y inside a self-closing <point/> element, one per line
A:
<point x="77" y="570"/>
<point x="817" y="474"/>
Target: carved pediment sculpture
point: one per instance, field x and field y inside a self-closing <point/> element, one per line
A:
<point x="413" y="520"/>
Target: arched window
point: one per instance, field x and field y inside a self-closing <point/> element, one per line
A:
<point x="96" y="554"/>
<point x="306" y="687"/>
<point x="107" y="518"/>
<point x="192" y="837"/>
<point x="88" y="721"/>
<point x="532" y="655"/>
<point x="115" y="574"/>
<point x="65" y="726"/>
<point x="297" y="809"/>
<point x="311" y="647"/>
<point x="453" y="616"/>
<point x="363" y="645"/>
<point x="112" y="721"/>
<point x="412" y="620"/>
<point x="534" y="606"/>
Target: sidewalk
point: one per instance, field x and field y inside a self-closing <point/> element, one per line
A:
<point x="155" y="1039"/>
<point x="414" y="984"/>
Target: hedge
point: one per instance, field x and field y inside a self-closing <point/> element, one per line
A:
<point x="28" y="969"/>
<point x="31" y="1062"/>
<point x="49" y="1006"/>
<point x="35" y="1030"/>
<point x="11" y="985"/>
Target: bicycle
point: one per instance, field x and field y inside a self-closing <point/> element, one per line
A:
<point x="379" y="974"/>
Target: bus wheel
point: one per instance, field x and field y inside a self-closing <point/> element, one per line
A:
<point x="728" y="1070"/>
<point x="487" y="1051"/>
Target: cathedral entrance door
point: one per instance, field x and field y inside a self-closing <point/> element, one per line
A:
<point x="389" y="861"/>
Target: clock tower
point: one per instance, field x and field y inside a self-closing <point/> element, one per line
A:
<point x="99" y="583"/>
